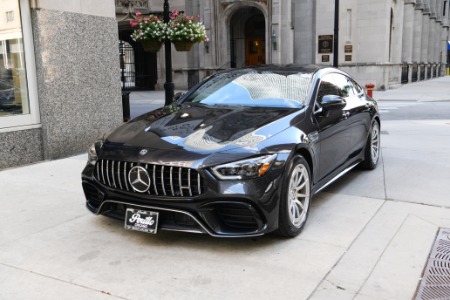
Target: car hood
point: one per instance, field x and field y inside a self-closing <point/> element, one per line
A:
<point x="201" y="129"/>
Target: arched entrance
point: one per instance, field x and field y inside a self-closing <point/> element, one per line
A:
<point x="137" y="67"/>
<point x="248" y="37"/>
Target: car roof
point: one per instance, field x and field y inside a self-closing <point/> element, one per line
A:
<point x="294" y="68"/>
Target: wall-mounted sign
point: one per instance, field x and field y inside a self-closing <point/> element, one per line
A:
<point x="348" y="48"/>
<point x="325" y="44"/>
<point x="325" y="58"/>
<point x="348" y="58"/>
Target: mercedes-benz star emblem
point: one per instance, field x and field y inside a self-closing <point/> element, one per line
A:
<point x="139" y="179"/>
<point x="143" y="152"/>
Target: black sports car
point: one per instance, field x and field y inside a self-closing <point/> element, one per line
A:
<point x="240" y="154"/>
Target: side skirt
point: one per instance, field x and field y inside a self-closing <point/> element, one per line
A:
<point x="337" y="177"/>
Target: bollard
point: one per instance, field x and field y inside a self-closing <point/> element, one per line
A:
<point x="369" y="88"/>
<point x="126" y="105"/>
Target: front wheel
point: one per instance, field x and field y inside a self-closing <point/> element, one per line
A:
<point x="372" y="149"/>
<point x="295" y="198"/>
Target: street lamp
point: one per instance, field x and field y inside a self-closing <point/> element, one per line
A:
<point x="168" y="86"/>
<point x="336" y="35"/>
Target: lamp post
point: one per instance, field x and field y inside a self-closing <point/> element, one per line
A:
<point x="168" y="86"/>
<point x="336" y="34"/>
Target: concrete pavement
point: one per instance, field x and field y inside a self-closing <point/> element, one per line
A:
<point x="436" y="89"/>
<point x="368" y="235"/>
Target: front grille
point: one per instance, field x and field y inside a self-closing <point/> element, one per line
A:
<point x="164" y="180"/>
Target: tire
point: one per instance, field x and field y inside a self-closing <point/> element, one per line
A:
<point x="295" y="198"/>
<point x="372" y="148"/>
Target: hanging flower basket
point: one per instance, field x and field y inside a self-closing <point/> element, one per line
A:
<point x="185" y="31"/>
<point x="182" y="46"/>
<point x="150" y="31"/>
<point x="151" y="45"/>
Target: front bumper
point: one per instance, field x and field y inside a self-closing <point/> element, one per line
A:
<point x="222" y="208"/>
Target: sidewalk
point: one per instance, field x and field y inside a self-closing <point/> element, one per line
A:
<point x="436" y="89"/>
<point x="368" y="235"/>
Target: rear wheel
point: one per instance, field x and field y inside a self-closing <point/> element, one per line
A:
<point x="372" y="149"/>
<point x="295" y="198"/>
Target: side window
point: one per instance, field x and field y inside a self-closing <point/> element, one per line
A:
<point x="358" y="89"/>
<point x="345" y="85"/>
<point x="327" y="87"/>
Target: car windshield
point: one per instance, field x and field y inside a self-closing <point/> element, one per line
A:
<point x="254" y="88"/>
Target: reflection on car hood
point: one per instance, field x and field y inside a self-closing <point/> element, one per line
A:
<point x="201" y="128"/>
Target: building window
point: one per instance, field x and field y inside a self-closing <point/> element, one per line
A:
<point x="10" y="16"/>
<point x="445" y="8"/>
<point x="17" y="68"/>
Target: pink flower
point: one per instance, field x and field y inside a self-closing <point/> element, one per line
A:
<point x="174" y="15"/>
<point x="138" y="13"/>
<point x="134" y="23"/>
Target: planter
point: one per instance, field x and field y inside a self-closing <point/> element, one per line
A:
<point x="183" y="46"/>
<point x="151" y="45"/>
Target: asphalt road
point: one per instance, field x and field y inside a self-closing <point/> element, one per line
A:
<point x="414" y="110"/>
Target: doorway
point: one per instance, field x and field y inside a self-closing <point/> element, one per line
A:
<point x="248" y="38"/>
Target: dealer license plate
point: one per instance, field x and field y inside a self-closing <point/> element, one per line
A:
<point x="141" y="220"/>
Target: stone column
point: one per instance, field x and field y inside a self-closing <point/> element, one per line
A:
<point x="432" y="34"/>
<point x="437" y="43"/>
<point x="417" y="36"/>
<point x="444" y="43"/>
<point x="305" y="32"/>
<point x="398" y="33"/>
<point x="408" y="31"/>
<point x="425" y="34"/>
<point x="286" y="38"/>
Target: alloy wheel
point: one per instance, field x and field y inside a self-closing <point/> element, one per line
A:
<point x="375" y="142"/>
<point x="299" y="195"/>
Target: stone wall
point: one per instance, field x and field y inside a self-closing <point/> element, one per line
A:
<point x="78" y="79"/>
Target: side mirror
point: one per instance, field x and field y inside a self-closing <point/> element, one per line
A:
<point x="332" y="102"/>
<point x="178" y="96"/>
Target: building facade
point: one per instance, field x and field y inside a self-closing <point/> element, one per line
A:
<point x="384" y="42"/>
<point x="63" y="63"/>
<point x="59" y="77"/>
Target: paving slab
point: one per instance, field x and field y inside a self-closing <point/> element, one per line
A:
<point x="23" y="284"/>
<point x="387" y="258"/>
<point x="416" y="156"/>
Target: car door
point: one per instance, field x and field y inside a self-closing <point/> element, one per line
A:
<point x="357" y="113"/>
<point x="333" y="129"/>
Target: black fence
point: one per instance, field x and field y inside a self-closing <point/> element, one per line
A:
<point x="429" y="67"/>
<point x="138" y="69"/>
<point x="414" y="73"/>
<point x="405" y="73"/>
<point x="422" y="72"/>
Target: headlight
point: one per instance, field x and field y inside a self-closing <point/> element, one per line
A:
<point x="92" y="152"/>
<point x="245" y="169"/>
